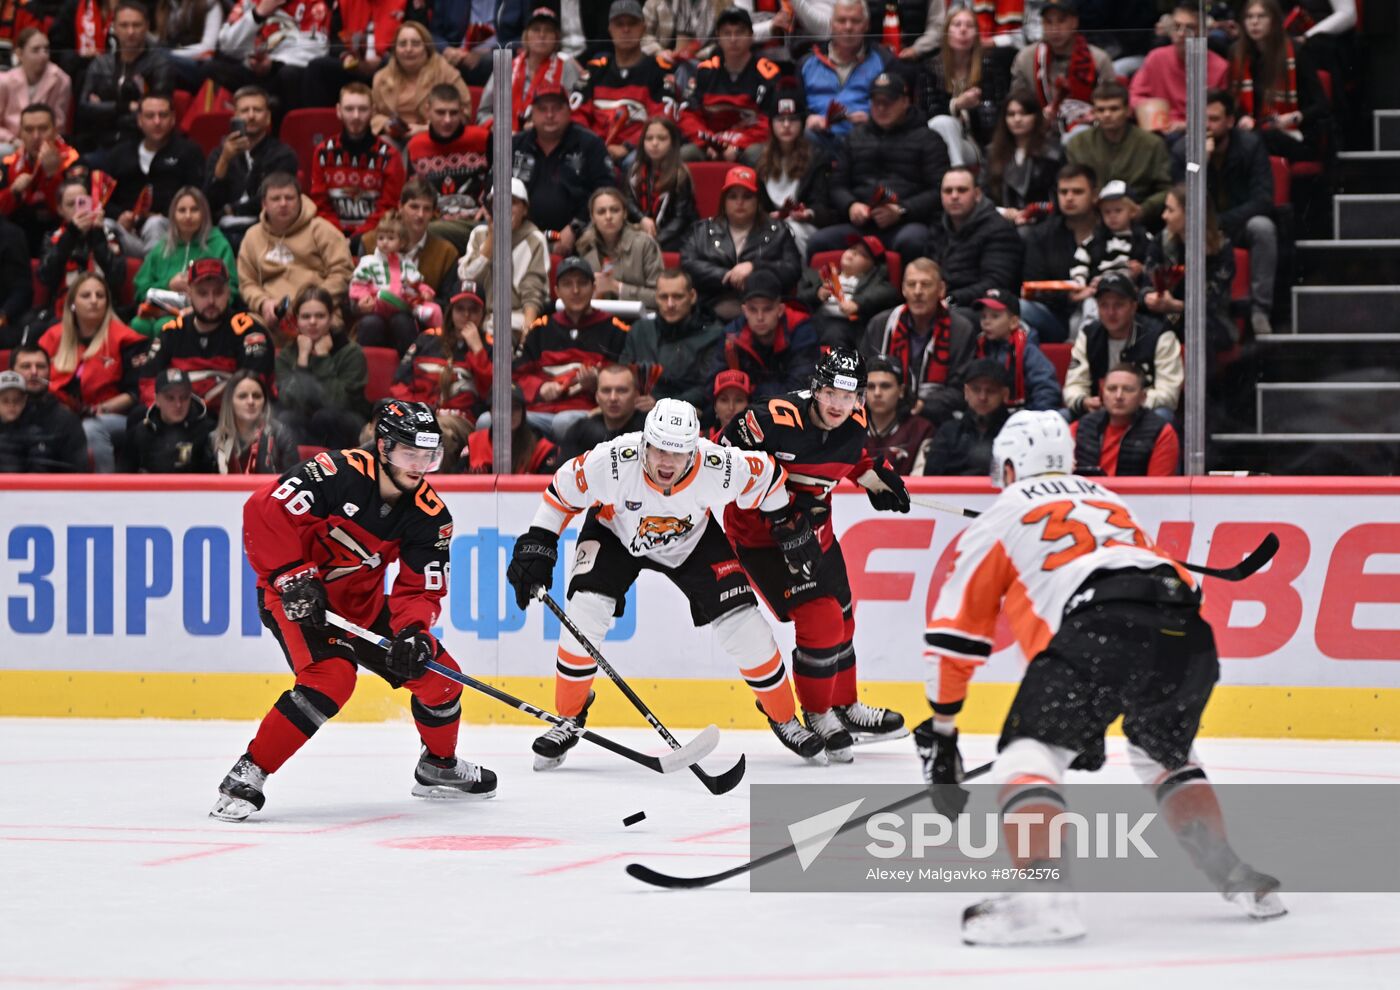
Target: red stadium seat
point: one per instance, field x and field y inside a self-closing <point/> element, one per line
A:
<point x="1059" y="357"/>
<point x="383" y="362"/>
<point x="707" y="180"/>
<point x="476" y="101"/>
<point x="1239" y="288"/>
<point x="1283" y="180"/>
<point x="4" y="360"/>
<point x="209" y="129"/>
<point x="670" y="259"/>
<point x="126" y="292"/>
<point x="302" y="130"/>
<point x="182" y="99"/>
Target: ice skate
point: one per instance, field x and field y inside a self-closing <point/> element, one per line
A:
<point x="451" y="777"/>
<point x="241" y="792"/>
<point x="798" y="738"/>
<point x="1254" y="893"/>
<point x="1024" y="918"/>
<point x="837" y="740"/>
<point x="551" y="748"/>
<point x="868" y="725"/>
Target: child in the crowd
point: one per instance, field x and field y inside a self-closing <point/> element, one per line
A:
<point x="1120" y="244"/>
<point x="389" y="293"/>
<point x="843" y="302"/>
<point x="1034" y="383"/>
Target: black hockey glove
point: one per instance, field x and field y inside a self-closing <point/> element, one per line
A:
<point x="532" y="563"/>
<point x="943" y="768"/>
<point x="409" y="653"/>
<point x="800" y="546"/>
<point x="303" y="595"/>
<point x="887" y="492"/>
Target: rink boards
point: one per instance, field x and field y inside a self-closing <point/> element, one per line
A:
<point x="129" y="597"/>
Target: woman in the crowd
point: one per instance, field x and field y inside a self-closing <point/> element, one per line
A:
<point x="189" y="29"/>
<point x="94" y="359"/>
<point x="1275" y="86"/>
<point x="450" y="369"/>
<point x="531" y="451"/>
<point x="400" y="92"/>
<point x="720" y="254"/>
<point x="1022" y="161"/>
<point x="539" y="63"/>
<point x="34" y="79"/>
<point x="321" y="376"/>
<point x="80" y="244"/>
<point x="192" y="236"/>
<point x="1166" y="269"/>
<point x="658" y="185"/>
<point x="794" y="176"/>
<point x="962" y="87"/>
<point x="248" y="440"/>
<point x="626" y="260"/>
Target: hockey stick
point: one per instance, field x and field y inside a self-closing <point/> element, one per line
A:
<point x="726" y="781"/>
<point x="1257" y="558"/>
<point x="684" y="756"/>
<point x="647" y="875"/>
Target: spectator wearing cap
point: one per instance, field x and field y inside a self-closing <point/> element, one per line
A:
<point x="887" y="175"/>
<point x="1158" y="89"/>
<point x="539" y="66"/>
<point x="730" y="96"/>
<point x="794" y="173"/>
<point x="673" y="351"/>
<point x="977" y="248"/>
<point x="321" y="376"/>
<point x="1031" y="377"/>
<point x="190" y="237"/>
<point x="1062" y="69"/>
<point x="531" y="451"/>
<point x="902" y="438"/>
<point x="772" y="342"/>
<point x="626" y="260"/>
<point x="48" y="437"/>
<point x="1121" y="439"/>
<point x="210" y="340"/>
<point x="962" y="447"/>
<point x="450" y="369"/>
<point x="1120" y="243"/>
<point x="561" y="164"/>
<point x="731" y="398"/>
<point x="1120" y="335"/>
<point x="400" y="90"/>
<point x="31" y="439"/>
<point x="172" y="436"/>
<point x="837" y="75"/>
<point x="1050" y="248"/>
<point x="1116" y="148"/>
<point x="617" y="413"/>
<point x="722" y="253"/>
<point x="930" y="344"/>
<point x="557" y="366"/>
<point x="621" y="91"/>
<point x="844" y="298"/>
<point x="290" y="248"/>
<point x="529" y="256"/>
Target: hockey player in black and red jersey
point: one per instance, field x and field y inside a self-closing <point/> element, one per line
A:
<point x="210" y="341"/>
<point x="355" y="175"/>
<point x="621" y="91"/>
<point x="819" y="436"/>
<point x="320" y="537"/>
<point x="731" y="96"/>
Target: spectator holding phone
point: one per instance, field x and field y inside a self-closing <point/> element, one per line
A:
<point x="240" y="164"/>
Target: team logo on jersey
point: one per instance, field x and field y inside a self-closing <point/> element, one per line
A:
<point x="714" y="460"/>
<point x="751" y="428"/>
<point x="445" y="532"/>
<point x="658" y="531"/>
<point x="725" y="568"/>
<point x="628" y="453"/>
<point x="327" y="465"/>
<point x="345" y="555"/>
<point x="632" y="506"/>
<point x="350" y="508"/>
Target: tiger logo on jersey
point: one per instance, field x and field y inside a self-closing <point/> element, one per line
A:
<point x="658" y="531"/>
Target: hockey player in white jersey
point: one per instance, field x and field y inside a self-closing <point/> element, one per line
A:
<point x="1112" y="626"/>
<point x="649" y="498"/>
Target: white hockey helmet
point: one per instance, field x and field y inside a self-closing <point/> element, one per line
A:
<point x="672" y="426"/>
<point x="1035" y="443"/>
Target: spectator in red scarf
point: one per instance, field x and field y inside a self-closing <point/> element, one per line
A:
<point x="658" y="185"/>
<point x="538" y="65"/>
<point x="1275" y="86"/>
<point x="1063" y="69"/>
<point x="771" y="341"/>
<point x="30" y="176"/>
<point x="1033" y="382"/>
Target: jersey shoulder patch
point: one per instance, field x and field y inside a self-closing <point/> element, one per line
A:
<point x="619" y="324"/>
<point x="242" y="323"/>
<point x="767" y="68"/>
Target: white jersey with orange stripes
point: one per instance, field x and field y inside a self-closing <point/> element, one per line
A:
<point x="1026" y="556"/>
<point x="663" y="524"/>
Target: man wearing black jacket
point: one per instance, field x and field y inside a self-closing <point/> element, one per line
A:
<point x="37" y="432"/>
<point x="1050" y="247"/>
<point x="887" y="175"/>
<point x="106" y="109"/>
<point x="237" y="167"/>
<point x="561" y="163"/>
<point x="16" y="286"/>
<point x="159" y="159"/>
<point x="978" y="249"/>
<point x="963" y="445"/>
<point x="173" y="436"/>
<point x="678" y="341"/>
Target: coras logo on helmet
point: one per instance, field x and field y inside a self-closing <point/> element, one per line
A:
<point x="672" y="426"/>
<point x="840" y="368"/>
<point x="411" y="435"/>
<point x="1035" y="443"/>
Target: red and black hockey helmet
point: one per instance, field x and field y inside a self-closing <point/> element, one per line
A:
<point x="411" y="435"/>
<point x="840" y="368"/>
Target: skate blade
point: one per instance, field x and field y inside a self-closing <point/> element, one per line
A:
<point x="442" y="792"/>
<point x="843" y="755"/>
<point x="231" y="809"/>
<point x="1004" y="924"/>
<point x="548" y="762"/>
<point x="819" y="760"/>
<point x="866" y="738"/>
<point x="1260" y="908"/>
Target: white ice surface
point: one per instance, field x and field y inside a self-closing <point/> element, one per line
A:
<point x="113" y="878"/>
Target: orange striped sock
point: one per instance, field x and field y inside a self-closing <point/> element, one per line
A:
<point x="769" y="683"/>
<point x="573" y="677"/>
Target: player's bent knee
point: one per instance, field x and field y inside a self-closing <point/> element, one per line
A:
<point x="333" y="679"/>
<point x="593" y="614"/>
<point x="1153" y="774"/>
<point x="818" y="622"/>
<point x="1024" y="758"/>
<point x="744" y="635"/>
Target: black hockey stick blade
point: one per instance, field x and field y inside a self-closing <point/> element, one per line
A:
<point x="1262" y="554"/>
<point x="726" y="781"/>
<point x="657" y="879"/>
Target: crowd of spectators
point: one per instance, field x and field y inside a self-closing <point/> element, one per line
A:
<point x="981" y="197"/>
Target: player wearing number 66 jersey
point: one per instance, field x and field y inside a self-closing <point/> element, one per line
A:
<point x="320" y="537"/>
<point x="1113" y="627"/>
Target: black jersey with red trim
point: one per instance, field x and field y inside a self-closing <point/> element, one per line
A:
<point x="615" y="103"/>
<point x="556" y="349"/>
<point x="210" y="359"/>
<point x="721" y="109"/>
<point x="328" y="511"/>
<point x="815" y="458"/>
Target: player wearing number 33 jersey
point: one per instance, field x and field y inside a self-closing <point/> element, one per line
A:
<point x="320" y="539"/>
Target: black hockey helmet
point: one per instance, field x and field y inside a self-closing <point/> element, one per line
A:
<point x="840" y="368"/>
<point x="411" y="435"/>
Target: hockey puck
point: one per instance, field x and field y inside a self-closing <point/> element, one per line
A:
<point x="634" y="819"/>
